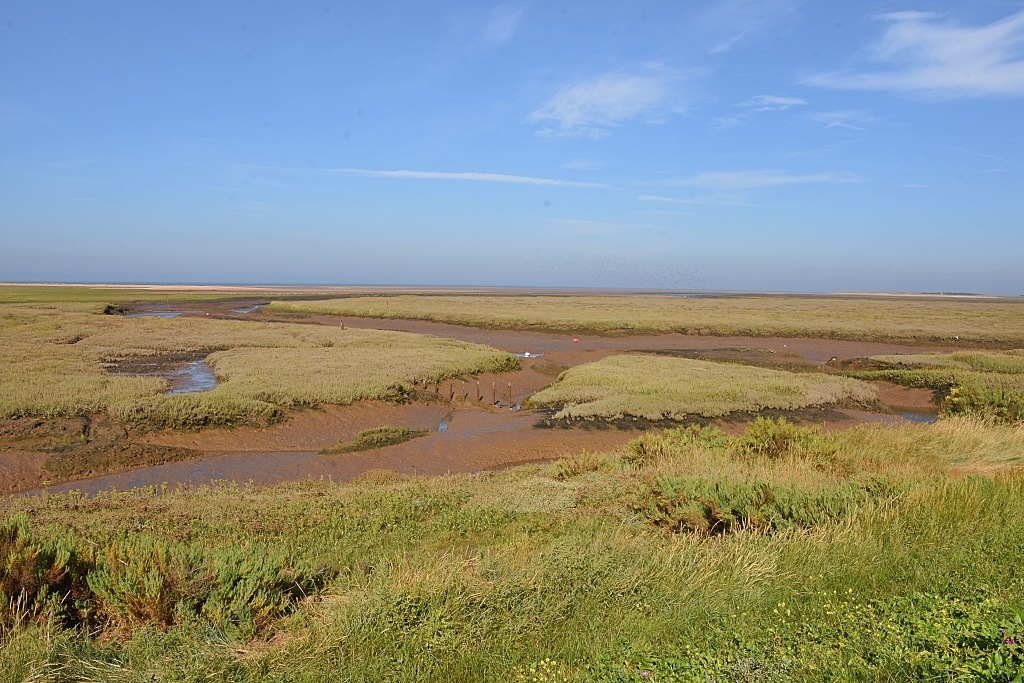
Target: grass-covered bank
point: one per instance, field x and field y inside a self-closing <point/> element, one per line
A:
<point x="656" y="388"/>
<point x="58" y="360"/>
<point x="781" y="555"/>
<point x="897" y="319"/>
<point x="981" y="383"/>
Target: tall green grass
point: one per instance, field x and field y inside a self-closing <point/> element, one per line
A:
<point x="690" y="555"/>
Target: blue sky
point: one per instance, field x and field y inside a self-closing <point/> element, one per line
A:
<point x="737" y="144"/>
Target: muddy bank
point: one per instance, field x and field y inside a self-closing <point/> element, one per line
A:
<point x="473" y="440"/>
<point x="34" y="451"/>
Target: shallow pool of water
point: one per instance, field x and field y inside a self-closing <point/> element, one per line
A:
<point x="250" y="309"/>
<point x="921" y="416"/>
<point x="195" y="376"/>
<point x="155" y="314"/>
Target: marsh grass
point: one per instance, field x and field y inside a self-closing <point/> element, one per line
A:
<point x="996" y="321"/>
<point x="886" y="568"/>
<point x="55" y="362"/>
<point x="655" y="388"/>
<point x="378" y="437"/>
<point x="980" y="383"/>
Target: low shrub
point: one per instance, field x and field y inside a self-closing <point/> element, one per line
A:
<point x="141" y="580"/>
<point x="570" y="466"/>
<point x="776" y="438"/>
<point x="714" y="507"/>
<point x="1003" y="406"/>
<point x="41" y="578"/>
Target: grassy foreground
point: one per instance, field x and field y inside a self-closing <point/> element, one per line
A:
<point x="898" y="319"/>
<point x="783" y="555"/>
<point x="655" y="388"/>
<point x="57" y="361"/>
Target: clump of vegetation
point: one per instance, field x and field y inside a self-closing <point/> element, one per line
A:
<point x="130" y="581"/>
<point x="570" y="466"/>
<point x="1004" y="406"/>
<point x="715" y="507"/>
<point x="656" y="388"/>
<point x="777" y="438"/>
<point x="995" y="320"/>
<point x="378" y="437"/>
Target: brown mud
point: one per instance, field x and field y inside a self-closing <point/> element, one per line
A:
<point x="472" y="419"/>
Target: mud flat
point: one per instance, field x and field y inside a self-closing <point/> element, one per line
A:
<point x="473" y="440"/>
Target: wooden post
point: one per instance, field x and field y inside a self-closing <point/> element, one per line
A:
<point x="510" y="395"/>
<point x="493" y="401"/>
<point x="478" y="390"/>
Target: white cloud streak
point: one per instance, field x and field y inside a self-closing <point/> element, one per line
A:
<point x="730" y="21"/>
<point x="842" y="119"/>
<point x="773" y="102"/>
<point x="716" y="199"/>
<point x="502" y="23"/>
<point x="588" y="107"/>
<point x="941" y="58"/>
<point x="738" y="180"/>
<point x="484" y="177"/>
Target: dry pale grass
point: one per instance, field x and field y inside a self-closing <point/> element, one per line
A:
<point x="960" y="442"/>
<point x="1002" y="370"/>
<point x="1008" y="362"/>
<point x="656" y="388"/>
<point x="53" y="362"/>
<point x="897" y="319"/>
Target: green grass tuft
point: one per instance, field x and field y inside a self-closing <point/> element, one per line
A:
<point x="378" y="437"/>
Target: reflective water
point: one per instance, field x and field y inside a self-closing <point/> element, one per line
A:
<point x="195" y="376"/>
<point x="923" y="417"/>
<point x="155" y="314"/>
<point x="250" y="309"/>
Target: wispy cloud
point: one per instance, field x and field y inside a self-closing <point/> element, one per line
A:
<point x="584" y="164"/>
<point x="971" y="151"/>
<point x="656" y="198"/>
<point x="730" y="21"/>
<point x="929" y="54"/>
<point x="843" y="119"/>
<point x="738" y="180"/>
<point x="588" y="108"/>
<point x="714" y="199"/>
<point x="485" y="177"/>
<point x="773" y="102"/>
<point x="502" y="23"/>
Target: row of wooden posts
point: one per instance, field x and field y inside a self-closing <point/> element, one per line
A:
<point x="495" y="399"/>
